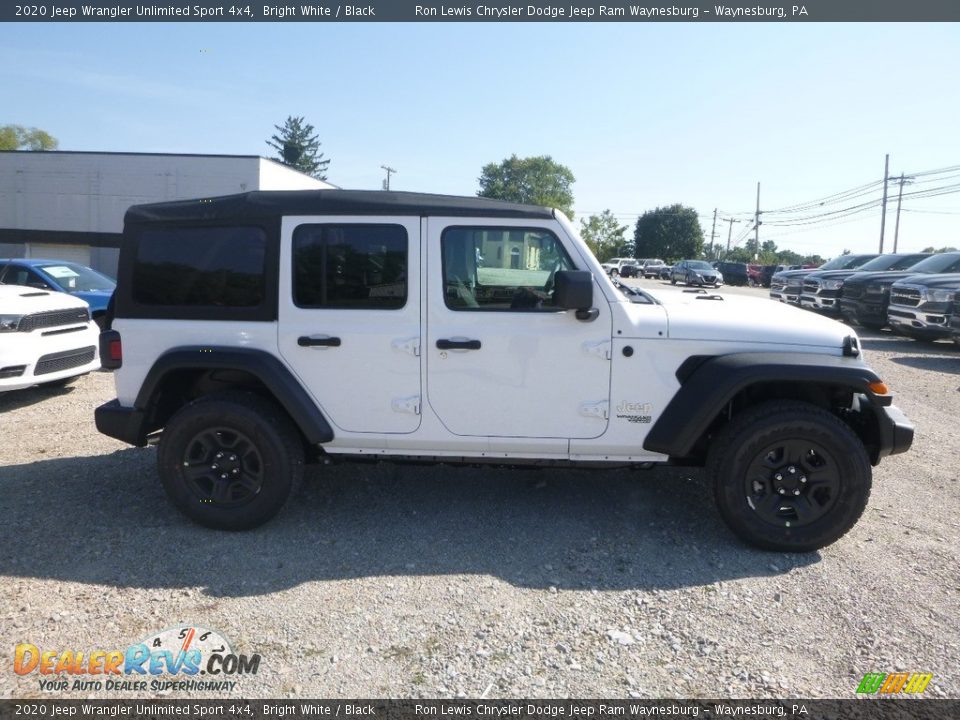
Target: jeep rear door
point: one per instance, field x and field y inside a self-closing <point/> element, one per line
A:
<point x="349" y="317"/>
<point x="502" y="359"/>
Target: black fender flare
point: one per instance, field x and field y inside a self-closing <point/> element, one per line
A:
<point x="274" y="375"/>
<point x="708" y="384"/>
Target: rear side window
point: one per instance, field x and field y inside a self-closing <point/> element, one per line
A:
<point x="222" y="267"/>
<point x="358" y="267"/>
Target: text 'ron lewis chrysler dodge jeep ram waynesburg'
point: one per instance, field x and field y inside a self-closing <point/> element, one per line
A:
<point x="260" y="330"/>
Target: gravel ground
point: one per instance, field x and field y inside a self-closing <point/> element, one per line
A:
<point x="402" y="581"/>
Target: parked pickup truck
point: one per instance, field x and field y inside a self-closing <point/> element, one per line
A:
<point x="921" y="304"/>
<point x="255" y="332"/>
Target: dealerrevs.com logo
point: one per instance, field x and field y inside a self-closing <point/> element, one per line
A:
<point x="894" y="683"/>
<point x="180" y="658"/>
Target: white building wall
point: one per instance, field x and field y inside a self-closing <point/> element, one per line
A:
<point x="67" y="192"/>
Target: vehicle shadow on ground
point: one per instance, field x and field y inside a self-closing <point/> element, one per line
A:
<point x="891" y="342"/>
<point x="16" y="399"/>
<point x="104" y="520"/>
<point x="944" y="363"/>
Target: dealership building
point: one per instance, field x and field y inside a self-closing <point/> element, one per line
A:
<point x="70" y="205"/>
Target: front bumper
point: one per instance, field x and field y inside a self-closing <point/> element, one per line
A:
<point x="820" y="303"/>
<point x="895" y="432"/>
<point x="914" y="321"/>
<point x="123" y="423"/>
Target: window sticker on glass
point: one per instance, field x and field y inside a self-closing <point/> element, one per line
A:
<point x="60" y="271"/>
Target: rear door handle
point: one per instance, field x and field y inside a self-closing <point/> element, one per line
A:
<point x="309" y="341"/>
<point x="458" y="344"/>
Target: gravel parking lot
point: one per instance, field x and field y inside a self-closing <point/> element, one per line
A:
<point x="392" y="580"/>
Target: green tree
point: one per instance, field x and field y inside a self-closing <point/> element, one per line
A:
<point x="604" y="235"/>
<point x="17" y="137"/>
<point x="533" y="180"/>
<point x="941" y="250"/>
<point x="297" y="145"/>
<point x="671" y="233"/>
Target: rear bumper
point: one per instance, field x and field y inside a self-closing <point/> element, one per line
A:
<point x="123" y="423"/>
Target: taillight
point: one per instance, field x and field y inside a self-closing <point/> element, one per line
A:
<point x="111" y="350"/>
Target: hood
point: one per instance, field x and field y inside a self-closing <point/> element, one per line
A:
<point x="831" y="274"/>
<point x="743" y="319"/>
<point x="878" y="277"/>
<point x="21" y="300"/>
<point x="947" y="280"/>
<point x="786" y="274"/>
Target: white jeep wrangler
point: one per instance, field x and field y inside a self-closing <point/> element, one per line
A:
<point x="257" y="331"/>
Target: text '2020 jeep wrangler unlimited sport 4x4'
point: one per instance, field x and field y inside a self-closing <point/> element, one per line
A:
<point x="259" y="330"/>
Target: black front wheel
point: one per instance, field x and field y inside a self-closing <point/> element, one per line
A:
<point x="789" y="476"/>
<point x="230" y="461"/>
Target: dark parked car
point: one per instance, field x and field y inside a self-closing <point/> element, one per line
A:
<point x="822" y="289"/>
<point x="630" y="268"/>
<point x="665" y="271"/>
<point x="920" y="305"/>
<point x="695" y="272"/>
<point x="787" y="286"/>
<point x="733" y="273"/>
<point x="866" y="295"/>
<point x="79" y="280"/>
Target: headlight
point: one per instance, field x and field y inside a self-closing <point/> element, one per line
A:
<point x="719" y="276"/>
<point x="832" y="284"/>
<point x="941" y="294"/>
<point x="10" y="323"/>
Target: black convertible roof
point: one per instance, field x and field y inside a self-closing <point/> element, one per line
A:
<point x="272" y="204"/>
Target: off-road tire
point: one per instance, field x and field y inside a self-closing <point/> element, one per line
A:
<point x="757" y="437"/>
<point x="269" y="455"/>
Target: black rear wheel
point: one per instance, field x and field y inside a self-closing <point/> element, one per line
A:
<point x="230" y="461"/>
<point x="789" y="476"/>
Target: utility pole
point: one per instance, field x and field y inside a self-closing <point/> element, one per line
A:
<point x="713" y="232"/>
<point x="390" y="171"/>
<point x="883" y="217"/>
<point x="896" y="230"/>
<point x="730" y="231"/>
<point x="756" y="226"/>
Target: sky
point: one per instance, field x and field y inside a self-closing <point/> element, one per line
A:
<point x="644" y="114"/>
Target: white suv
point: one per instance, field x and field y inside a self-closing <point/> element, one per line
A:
<point x="256" y="332"/>
<point x="45" y="338"/>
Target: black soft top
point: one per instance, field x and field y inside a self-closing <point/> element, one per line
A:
<point x="273" y="204"/>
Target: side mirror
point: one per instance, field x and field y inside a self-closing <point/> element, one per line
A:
<point x="573" y="290"/>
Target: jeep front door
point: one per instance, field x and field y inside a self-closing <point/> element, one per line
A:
<point x="502" y="359"/>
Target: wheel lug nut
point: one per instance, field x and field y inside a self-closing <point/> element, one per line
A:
<point x="791" y="470"/>
<point x="778" y="477"/>
<point x="223" y="476"/>
<point x="214" y="466"/>
<point x="796" y="492"/>
<point x="781" y="491"/>
<point x="233" y="457"/>
<point x="803" y="478"/>
<point x="236" y="471"/>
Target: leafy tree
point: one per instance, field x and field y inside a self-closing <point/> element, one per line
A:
<point x="17" y="137"/>
<point x="533" y="180"/>
<point x="671" y="233"/>
<point x="604" y="235"/>
<point x="941" y="250"/>
<point x="297" y="146"/>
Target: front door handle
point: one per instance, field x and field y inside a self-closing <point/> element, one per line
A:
<point x="308" y="341"/>
<point x="458" y="344"/>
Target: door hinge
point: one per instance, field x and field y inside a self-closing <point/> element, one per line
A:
<point x="600" y="349"/>
<point x="409" y="405"/>
<point x="408" y="345"/>
<point x="595" y="409"/>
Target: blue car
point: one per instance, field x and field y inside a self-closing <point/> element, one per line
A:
<point x="79" y="280"/>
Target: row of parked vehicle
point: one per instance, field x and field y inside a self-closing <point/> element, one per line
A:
<point x="50" y="312"/>
<point x="916" y="294"/>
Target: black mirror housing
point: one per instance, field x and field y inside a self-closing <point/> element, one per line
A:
<point x="573" y="289"/>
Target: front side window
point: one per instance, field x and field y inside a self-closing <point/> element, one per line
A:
<point x="350" y="266"/>
<point x="487" y="268"/>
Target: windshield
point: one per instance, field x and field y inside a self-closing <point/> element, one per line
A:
<point x="698" y="265"/>
<point x="946" y="262"/>
<point x="845" y="262"/>
<point x="77" y="278"/>
<point x="883" y="262"/>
